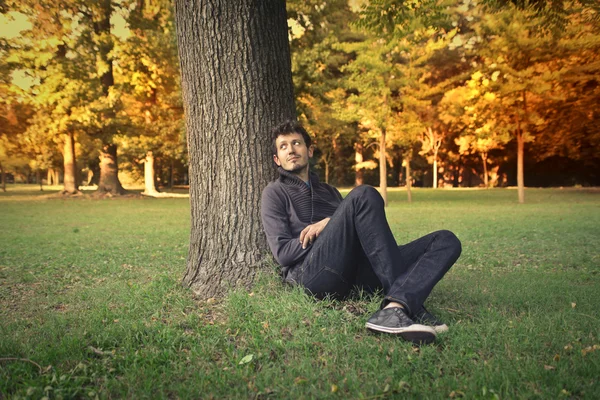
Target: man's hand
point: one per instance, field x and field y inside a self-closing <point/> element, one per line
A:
<point x="311" y="232"/>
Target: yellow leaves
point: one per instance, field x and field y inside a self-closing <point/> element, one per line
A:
<point x="589" y="349"/>
<point x="489" y="96"/>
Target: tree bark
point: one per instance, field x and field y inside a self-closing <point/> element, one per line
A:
<point x="149" y="188"/>
<point x="109" y="172"/>
<point x="383" y="168"/>
<point x="237" y="85"/>
<point x="70" y="166"/>
<point x="408" y="180"/>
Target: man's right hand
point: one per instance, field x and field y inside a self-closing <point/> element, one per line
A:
<point x="311" y="232"/>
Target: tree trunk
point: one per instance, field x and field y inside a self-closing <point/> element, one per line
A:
<point x="435" y="169"/>
<point x="520" y="153"/>
<point x="358" y="158"/>
<point x="70" y="166"/>
<point x="520" y="179"/>
<point x="109" y="178"/>
<point x="383" y="168"/>
<point x="484" y="157"/>
<point x="171" y="174"/>
<point x="38" y="178"/>
<point x="109" y="172"/>
<point x="408" y="180"/>
<point x="326" y="170"/>
<point x="149" y="188"/>
<point x="3" y="177"/>
<point x="237" y="85"/>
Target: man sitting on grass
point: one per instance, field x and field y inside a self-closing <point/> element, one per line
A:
<point x="329" y="245"/>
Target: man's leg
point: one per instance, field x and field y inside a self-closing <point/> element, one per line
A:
<point x="422" y="263"/>
<point x="407" y="273"/>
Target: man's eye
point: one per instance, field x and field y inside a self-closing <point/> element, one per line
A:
<point x="296" y="143"/>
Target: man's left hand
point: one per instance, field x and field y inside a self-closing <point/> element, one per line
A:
<point x="311" y="232"/>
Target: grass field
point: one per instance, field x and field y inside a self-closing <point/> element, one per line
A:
<point x="91" y="307"/>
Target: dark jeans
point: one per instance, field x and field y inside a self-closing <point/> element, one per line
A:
<point x="357" y="248"/>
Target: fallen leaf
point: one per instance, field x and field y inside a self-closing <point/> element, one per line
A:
<point x="573" y="305"/>
<point x="300" y="380"/>
<point x="589" y="349"/>
<point x="246" y="359"/>
<point x="456" y="394"/>
<point x="334" y="388"/>
<point x="549" y="367"/>
<point x="557" y="357"/>
<point x="211" y="300"/>
<point x="568" y="347"/>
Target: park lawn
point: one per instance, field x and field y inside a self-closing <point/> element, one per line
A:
<point x="91" y="306"/>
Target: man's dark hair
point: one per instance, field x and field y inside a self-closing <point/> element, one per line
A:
<point x="287" y="127"/>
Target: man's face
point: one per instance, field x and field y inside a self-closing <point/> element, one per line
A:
<point x="292" y="153"/>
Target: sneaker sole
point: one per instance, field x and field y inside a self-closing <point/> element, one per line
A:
<point x="415" y="333"/>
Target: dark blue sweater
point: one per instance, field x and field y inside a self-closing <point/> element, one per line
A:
<point x="288" y="205"/>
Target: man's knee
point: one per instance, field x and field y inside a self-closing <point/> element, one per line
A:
<point x="450" y="240"/>
<point x="366" y="192"/>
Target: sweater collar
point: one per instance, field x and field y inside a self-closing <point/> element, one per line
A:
<point x="288" y="177"/>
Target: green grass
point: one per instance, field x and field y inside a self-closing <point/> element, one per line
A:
<point x="90" y="291"/>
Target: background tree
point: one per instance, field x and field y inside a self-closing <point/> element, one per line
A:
<point x="237" y="85"/>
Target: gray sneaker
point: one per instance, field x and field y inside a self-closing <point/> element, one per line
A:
<point x="394" y="320"/>
<point x="426" y="318"/>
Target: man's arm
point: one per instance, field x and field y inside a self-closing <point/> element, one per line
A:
<point x="286" y="249"/>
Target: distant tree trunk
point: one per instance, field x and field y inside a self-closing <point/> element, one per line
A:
<point x="358" y="158"/>
<point x="383" y="167"/>
<point x="237" y="85"/>
<point x="484" y="157"/>
<point x="93" y="177"/>
<point x="520" y="154"/>
<point x="408" y="180"/>
<point x="109" y="172"/>
<point x="435" y="168"/>
<point x="70" y="166"/>
<point x="3" y="177"/>
<point x="38" y="178"/>
<point x="109" y="167"/>
<point x="326" y="162"/>
<point x="149" y="187"/>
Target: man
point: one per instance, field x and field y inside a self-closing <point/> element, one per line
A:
<point x="329" y="245"/>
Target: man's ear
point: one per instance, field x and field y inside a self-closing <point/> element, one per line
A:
<point x="311" y="149"/>
<point x="276" y="160"/>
